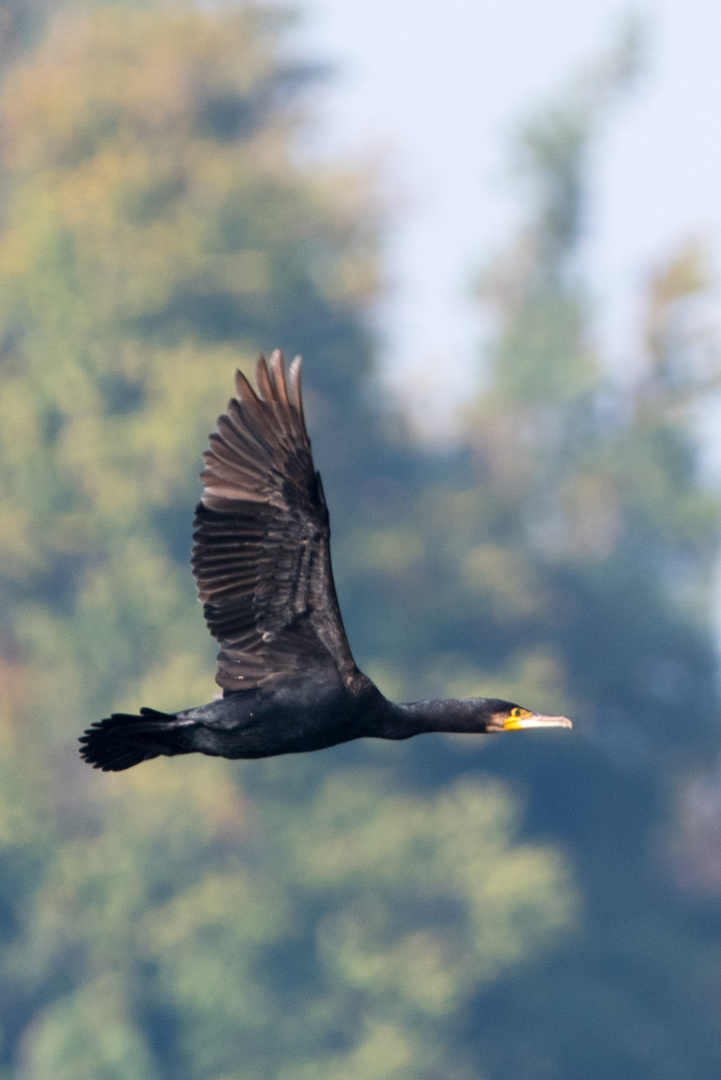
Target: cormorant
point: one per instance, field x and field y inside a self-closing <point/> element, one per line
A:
<point x="261" y="560"/>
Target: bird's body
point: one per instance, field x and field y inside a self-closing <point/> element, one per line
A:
<point x="256" y="723"/>
<point x="261" y="559"/>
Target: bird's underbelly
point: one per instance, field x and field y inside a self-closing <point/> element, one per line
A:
<point x="256" y="729"/>
<point x="269" y="740"/>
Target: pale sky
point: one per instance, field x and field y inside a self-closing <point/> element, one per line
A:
<point x="436" y="89"/>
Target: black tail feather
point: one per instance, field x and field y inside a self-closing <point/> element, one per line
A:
<point x="123" y="740"/>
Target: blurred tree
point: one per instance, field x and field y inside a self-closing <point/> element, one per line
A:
<point x="141" y="240"/>
<point x="576" y="557"/>
<point x="21" y="23"/>
<point x="196" y="919"/>
<point x="332" y="934"/>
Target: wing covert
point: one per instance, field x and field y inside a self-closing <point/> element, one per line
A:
<point x="261" y="552"/>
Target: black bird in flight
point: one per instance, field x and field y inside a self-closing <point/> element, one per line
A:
<point x="261" y="560"/>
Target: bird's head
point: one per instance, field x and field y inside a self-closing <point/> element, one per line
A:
<point x="505" y="716"/>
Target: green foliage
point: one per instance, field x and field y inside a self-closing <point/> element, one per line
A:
<point x="134" y="245"/>
<point x="283" y="933"/>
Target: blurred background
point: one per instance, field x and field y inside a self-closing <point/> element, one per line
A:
<point x="509" y="320"/>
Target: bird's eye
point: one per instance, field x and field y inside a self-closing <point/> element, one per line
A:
<point x="518" y="713"/>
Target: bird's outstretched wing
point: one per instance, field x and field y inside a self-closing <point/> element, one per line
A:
<point x="261" y="553"/>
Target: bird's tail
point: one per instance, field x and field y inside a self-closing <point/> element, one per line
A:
<point x="122" y="740"/>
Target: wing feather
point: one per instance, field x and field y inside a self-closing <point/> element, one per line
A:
<point x="261" y="553"/>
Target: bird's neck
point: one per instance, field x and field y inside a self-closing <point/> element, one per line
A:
<point x="417" y="717"/>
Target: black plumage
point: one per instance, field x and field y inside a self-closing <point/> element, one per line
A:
<point x="261" y="559"/>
